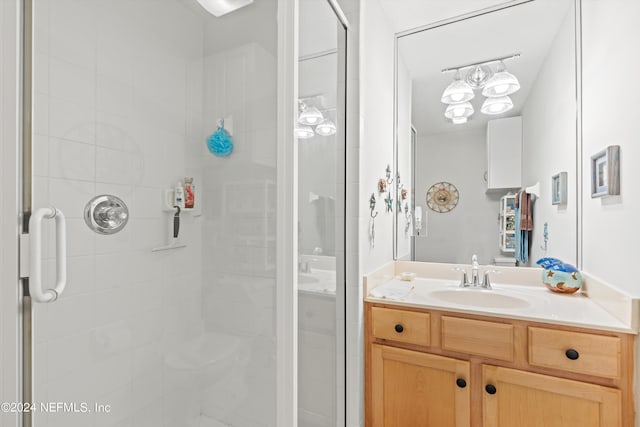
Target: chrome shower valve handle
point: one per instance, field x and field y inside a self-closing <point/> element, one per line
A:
<point x="106" y="214"/>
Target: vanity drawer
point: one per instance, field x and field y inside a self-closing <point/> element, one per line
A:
<point x="575" y="352"/>
<point x="401" y="325"/>
<point x="478" y="337"/>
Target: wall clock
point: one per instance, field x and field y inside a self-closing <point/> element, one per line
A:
<point x="442" y="197"/>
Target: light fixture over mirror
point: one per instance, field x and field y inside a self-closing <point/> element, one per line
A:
<point x="310" y="115"/>
<point x="326" y="128"/>
<point x="303" y="132"/>
<point x="480" y="76"/>
<point x="457" y="92"/>
<point x="221" y="7"/>
<point x="459" y="111"/>
<point x="495" y="106"/>
<point x="502" y="83"/>
<point x="314" y="118"/>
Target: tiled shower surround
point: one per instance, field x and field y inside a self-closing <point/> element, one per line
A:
<point x="125" y="93"/>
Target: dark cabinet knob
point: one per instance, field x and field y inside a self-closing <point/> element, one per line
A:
<point x="490" y="388"/>
<point x="399" y="328"/>
<point x="460" y="382"/>
<point x="572" y="354"/>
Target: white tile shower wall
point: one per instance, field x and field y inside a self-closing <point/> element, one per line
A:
<point x="116" y="93"/>
<point x="240" y="200"/>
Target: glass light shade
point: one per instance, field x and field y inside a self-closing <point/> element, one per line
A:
<point x="458" y="111"/>
<point x="310" y="116"/>
<point x="502" y="83"/>
<point x="459" y="120"/>
<point x="303" y="132"/>
<point x="222" y="7"/>
<point x="493" y="106"/>
<point x="478" y="76"/>
<point x="326" y="128"/>
<point x="457" y="92"/>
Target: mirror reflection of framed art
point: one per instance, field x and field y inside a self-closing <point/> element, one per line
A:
<point x="559" y="189"/>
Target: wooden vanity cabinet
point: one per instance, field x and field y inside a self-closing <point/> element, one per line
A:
<point x="418" y="389"/>
<point x="428" y="368"/>
<point x="520" y="398"/>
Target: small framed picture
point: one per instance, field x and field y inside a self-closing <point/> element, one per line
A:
<point x="559" y="189"/>
<point x="605" y="172"/>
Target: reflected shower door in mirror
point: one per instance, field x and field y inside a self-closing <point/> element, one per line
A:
<point x="492" y="98"/>
<point x="320" y="140"/>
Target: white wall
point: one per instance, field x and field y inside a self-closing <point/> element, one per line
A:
<point x="405" y="159"/>
<point x="376" y="127"/>
<point x="610" y="62"/>
<point x="549" y="146"/>
<point x="472" y="226"/>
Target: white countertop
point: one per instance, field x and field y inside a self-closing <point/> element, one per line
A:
<point x="534" y="303"/>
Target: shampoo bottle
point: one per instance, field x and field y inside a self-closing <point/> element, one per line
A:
<point x="178" y="196"/>
<point x="189" y="193"/>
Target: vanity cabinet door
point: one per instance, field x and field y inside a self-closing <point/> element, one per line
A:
<point x="517" y="398"/>
<point x="412" y="389"/>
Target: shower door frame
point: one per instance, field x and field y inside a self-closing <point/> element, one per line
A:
<point x="10" y="208"/>
<point x="16" y="49"/>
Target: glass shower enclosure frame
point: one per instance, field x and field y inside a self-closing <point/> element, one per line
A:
<point x="277" y="191"/>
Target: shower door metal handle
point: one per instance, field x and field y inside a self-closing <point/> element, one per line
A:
<point x="35" y="262"/>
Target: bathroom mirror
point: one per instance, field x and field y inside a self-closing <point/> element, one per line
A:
<point x="538" y="41"/>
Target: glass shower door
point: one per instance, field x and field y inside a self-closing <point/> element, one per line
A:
<point x="321" y="141"/>
<point x="171" y="320"/>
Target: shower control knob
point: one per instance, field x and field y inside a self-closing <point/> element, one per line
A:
<point x="106" y="214"/>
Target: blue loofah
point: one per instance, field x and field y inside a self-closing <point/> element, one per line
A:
<point x="220" y="143"/>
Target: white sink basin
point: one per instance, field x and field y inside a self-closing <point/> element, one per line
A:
<point x="479" y="298"/>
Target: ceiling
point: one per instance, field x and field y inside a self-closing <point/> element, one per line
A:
<point x="512" y="30"/>
<point x="407" y="14"/>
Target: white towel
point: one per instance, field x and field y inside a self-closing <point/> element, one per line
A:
<point x="393" y="290"/>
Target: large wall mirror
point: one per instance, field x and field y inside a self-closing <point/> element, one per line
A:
<point x="463" y="163"/>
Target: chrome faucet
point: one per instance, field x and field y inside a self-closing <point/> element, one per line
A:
<point x="475" y="278"/>
<point x="475" y="282"/>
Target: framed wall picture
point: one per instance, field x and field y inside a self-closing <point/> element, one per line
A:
<point x="559" y="189"/>
<point x="605" y="172"/>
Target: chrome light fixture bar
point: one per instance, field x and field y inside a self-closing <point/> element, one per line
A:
<point x="487" y="62"/>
